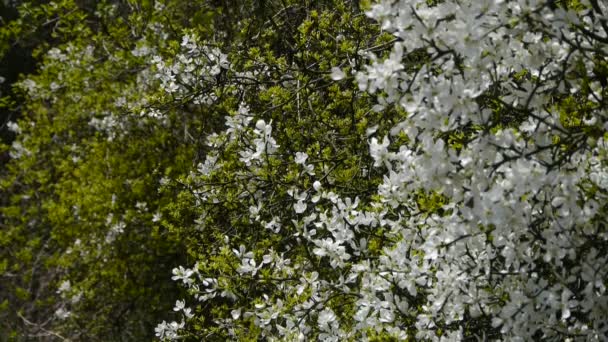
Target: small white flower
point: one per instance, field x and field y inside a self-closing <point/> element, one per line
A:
<point x="299" y="207"/>
<point x="64" y="287"/>
<point x="183" y="274"/>
<point x="62" y="314"/>
<point x="301" y="158"/>
<point x="236" y="313"/>
<point x="316" y="185"/>
<point x="76" y="298"/>
<point x="337" y="74"/>
<point x="179" y="305"/>
<point x="119" y="228"/>
<point x="157" y="217"/>
<point x="160" y="329"/>
<point x="143" y="206"/>
<point x="326" y="317"/>
<point x="13" y="127"/>
<point x="188" y="313"/>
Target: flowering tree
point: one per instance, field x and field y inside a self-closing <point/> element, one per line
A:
<point x="408" y="169"/>
<point x="503" y="132"/>
<point x="97" y="204"/>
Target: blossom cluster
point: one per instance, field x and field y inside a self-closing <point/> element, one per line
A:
<point x="517" y="249"/>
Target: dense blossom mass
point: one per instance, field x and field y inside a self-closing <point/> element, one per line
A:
<point x="518" y="241"/>
<point x="424" y="170"/>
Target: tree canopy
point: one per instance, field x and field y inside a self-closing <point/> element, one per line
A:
<point x="328" y="170"/>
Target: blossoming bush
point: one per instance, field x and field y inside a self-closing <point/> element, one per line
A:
<point x="402" y="170"/>
<point x="97" y="207"/>
<point x="503" y="128"/>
